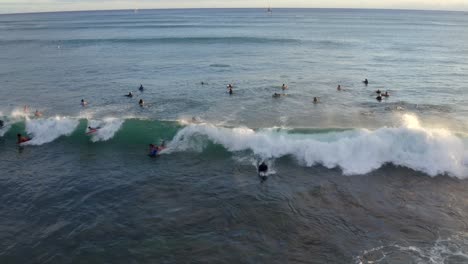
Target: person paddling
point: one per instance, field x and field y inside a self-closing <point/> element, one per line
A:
<point x="21" y="138"/>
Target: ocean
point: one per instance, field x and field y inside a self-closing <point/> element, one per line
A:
<point x="351" y="179"/>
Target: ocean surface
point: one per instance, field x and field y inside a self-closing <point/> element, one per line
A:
<point x="351" y="179"/>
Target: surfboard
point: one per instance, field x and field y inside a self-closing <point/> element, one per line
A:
<point x="92" y="131"/>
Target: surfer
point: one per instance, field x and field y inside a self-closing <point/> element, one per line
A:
<point x="83" y="103"/>
<point x="154" y="149"/>
<point x="141" y="87"/>
<point x="366" y="82"/>
<point x="378" y="91"/>
<point x="230" y="91"/>
<point x="22" y="139"/>
<point x="379" y="98"/>
<point x="262" y="168"/>
<point x="284" y="87"/>
<point x="338" y="88"/>
<point x="141" y="103"/>
<point x="276" y="95"/>
<point x="93" y="129"/>
<point x="229" y="86"/>
<point x="129" y="94"/>
<point x="315" y="100"/>
<point x="37" y="113"/>
<point x="386" y="94"/>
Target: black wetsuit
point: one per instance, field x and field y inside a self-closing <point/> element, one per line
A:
<point x="263" y="167"/>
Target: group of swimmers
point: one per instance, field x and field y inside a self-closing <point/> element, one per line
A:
<point x="129" y="95"/>
<point x="380" y="95"/>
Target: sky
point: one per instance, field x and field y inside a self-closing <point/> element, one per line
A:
<point x="22" y="6"/>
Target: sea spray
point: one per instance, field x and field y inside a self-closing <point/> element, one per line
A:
<point x="47" y="130"/>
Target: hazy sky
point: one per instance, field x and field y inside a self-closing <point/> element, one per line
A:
<point x="15" y="6"/>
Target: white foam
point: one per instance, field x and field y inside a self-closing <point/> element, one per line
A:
<point x="47" y="130"/>
<point x="108" y="128"/>
<point x="4" y="129"/>
<point x="433" y="151"/>
<point x="439" y="252"/>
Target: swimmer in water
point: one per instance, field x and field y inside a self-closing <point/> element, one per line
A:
<point x="276" y="95"/>
<point x="22" y="139"/>
<point x="229" y="86"/>
<point x="366" y="82"/>
<point x="284" y="87"/>
<point x="129" y="94"/>
<point x="338" y="88"/>
<point x="141" y="87"/>
<point x="315" y="100"/>
<point x="37" y="113"/>
<point x="141" y="103"/>
<point x="379" y="98"/>
<point x="83" y="103"/>
<point x="378" y="91"/>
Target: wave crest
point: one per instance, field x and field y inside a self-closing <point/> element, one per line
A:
<point x="360" y="151"/>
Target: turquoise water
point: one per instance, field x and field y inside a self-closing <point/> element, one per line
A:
<point x="351" y="179"/>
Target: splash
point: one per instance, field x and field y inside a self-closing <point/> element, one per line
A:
<point x="108" y="128"/>
<point x="47" y="130"/>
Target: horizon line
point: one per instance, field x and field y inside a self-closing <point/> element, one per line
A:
<point x="227" y="8"/>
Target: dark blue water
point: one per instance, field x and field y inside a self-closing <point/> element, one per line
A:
<point x="352" y="180"/>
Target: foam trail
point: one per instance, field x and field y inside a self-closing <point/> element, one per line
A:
<point x="108" y="128"/>
<point x="47" y="130"/>
<point x="433" y="151"/>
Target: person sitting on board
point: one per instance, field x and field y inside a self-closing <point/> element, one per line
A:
<point x="378" y="91"/>
<point x="22" y="139"/>
<point x="83" y="103"/>
<point x="338" y="88"/>
<point x="141" y="87"/>
<point x="284" y="87"/>
<point x="129" y="94"/>
<point x="386" y="94"/>
<point x="366" y="82"/>
<point x="315" y="100"/>
<point x="263" y="168"/>
<point x="141" y="103"/>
